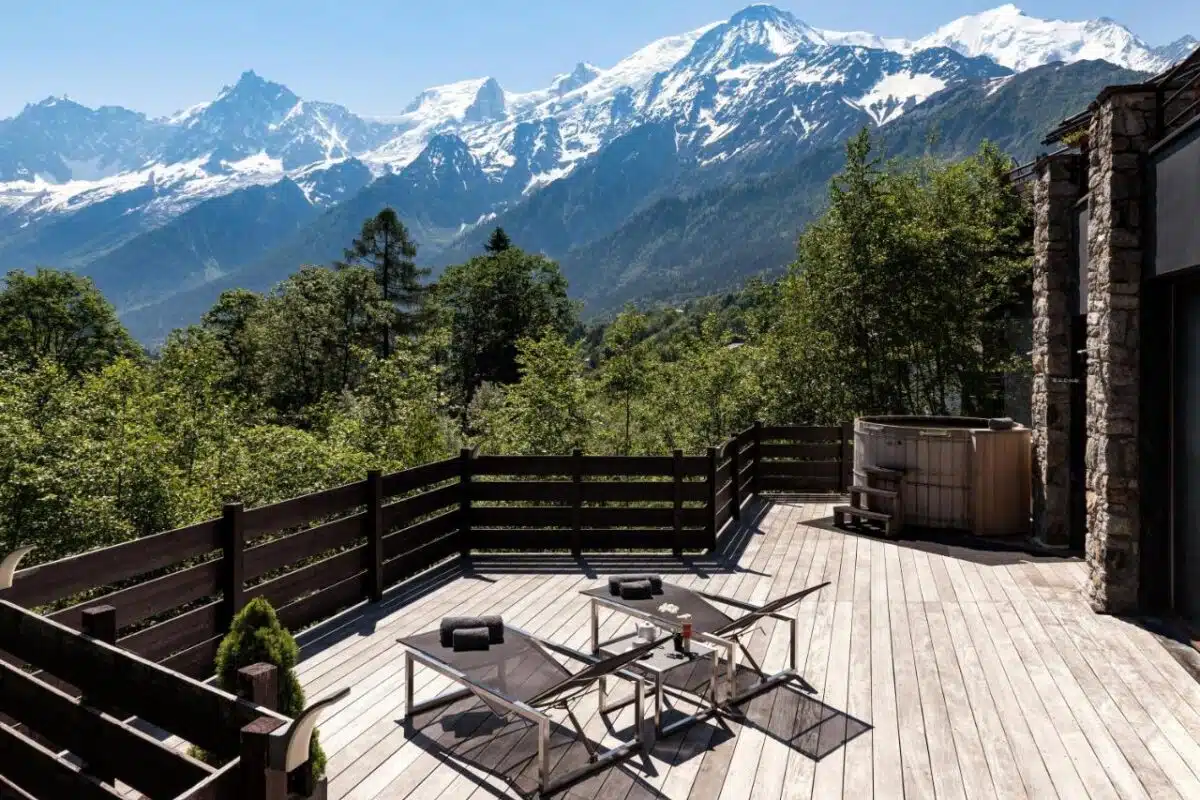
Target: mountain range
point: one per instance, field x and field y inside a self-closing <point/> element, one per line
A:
<point x="626" y="174"/>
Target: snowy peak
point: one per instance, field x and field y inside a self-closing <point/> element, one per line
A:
<point x="582" y="75"/>
<point x="758" y="34"/>
<point x="488" y="105"/>
<point x="1020" y="42"/>
<point x="252" y="95"/>
<point x="1179" y="49"/>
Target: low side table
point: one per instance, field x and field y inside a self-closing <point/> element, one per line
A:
<point x="655" y="666"/>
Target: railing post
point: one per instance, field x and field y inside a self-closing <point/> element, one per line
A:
<point x="847" y="457"/>
<point x="756" y="464"/>
<point x="100" y="623"/>
<point x="259" y="683"/>
<point x="711" y="517"/>
<point x="259" y="780"/>
<point x="577" y="503"/>
<point x="735" y="478"/>
<point x="677" y="516"/>
<point x="233" y="561"/>
<point x="466" y="455"/>
<point x="373" y="530"/>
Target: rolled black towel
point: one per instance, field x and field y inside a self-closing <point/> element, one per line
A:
<point x="614" y="583"/>
<point x="493" y="623"/>
<point x="471" y="639"/>
<point x="637" y="590"/>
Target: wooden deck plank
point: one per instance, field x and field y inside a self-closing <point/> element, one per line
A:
<point x="977" y="679"/>
<point x="744" y="769"/>
<point x="1034" y="773"/>
<point x="772" y="767"/>
<point x="988" y="623"/>
<point x="1052" y="688"/>
<point x="1117" y="748"/>
<point x="929" y="625"/>
<point x="714" y="766"/>
<point x="1123" y="713"/>
<point x="919" y="778"/>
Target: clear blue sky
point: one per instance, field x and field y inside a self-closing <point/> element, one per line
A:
<point x="374" y="56"/>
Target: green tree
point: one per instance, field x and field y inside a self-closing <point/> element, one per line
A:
<point x="231" y="320"/>
<point x="314" y="327"/>
<point x="384" y="247"/>
<point x="550" y="410"/>
<point x="492" y="302"/>
<point x="257" y="637"/>
<point x="62" y="317"/>
<point x="625" y="373"/>
<point x="898" y="299"/>
<point x="498" y="242"/>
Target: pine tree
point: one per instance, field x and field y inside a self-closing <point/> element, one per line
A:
<point x="498" y="242"/>
<point x="384" y="246"/>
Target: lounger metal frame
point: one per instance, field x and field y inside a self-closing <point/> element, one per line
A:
<point x="730" y="643"/>
<point x="498" y="701"/>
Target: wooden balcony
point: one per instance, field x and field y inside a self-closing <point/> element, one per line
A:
<point x="951" y="672"/>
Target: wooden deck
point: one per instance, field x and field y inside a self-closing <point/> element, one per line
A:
<point x="980" y="674"/>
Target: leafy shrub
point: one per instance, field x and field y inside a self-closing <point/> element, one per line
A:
<point x="256" y="636"/>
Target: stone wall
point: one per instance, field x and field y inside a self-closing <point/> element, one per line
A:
<point x="1122" y="130"/>
<point x="1054" y="285"/>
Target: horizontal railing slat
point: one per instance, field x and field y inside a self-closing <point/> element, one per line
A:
<point x="178" y="633"/>
<point x="420" y="477"/>
<point x="537" y="516"/>
<point x="592" y="491"/>
<point x="813" y="452"/>
<point x="43" y="774"/>
<point x="55" y="580"/>
<point x="808" y="469"/>
<point x="403" y="511"/>
<point x="594" y="540"/>
<point x="143" y="600"/>
<point x="292" y="585"/>
<point x="422" y="558"/>
<point x="304" y="509"/>
<point x="112" y="677"/>
<point x="801" y="433"/>
<point x="325" y="603"/>
<point x="297" y="546"/>
<point x="419" y="535"/>
<point x="135" y="758"/>
<point x="588" y="465"/>
<point x="198" y="661"/>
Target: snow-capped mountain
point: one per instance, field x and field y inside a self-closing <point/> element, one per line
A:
<point x="1020" y="42"/>
<point x="683" y="107"/>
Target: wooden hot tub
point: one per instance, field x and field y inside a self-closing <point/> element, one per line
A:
<point x="965" y="473"/>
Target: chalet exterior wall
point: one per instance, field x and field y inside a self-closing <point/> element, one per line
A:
<point x="1122" y="132"/>
<point x="1054" y="297"/>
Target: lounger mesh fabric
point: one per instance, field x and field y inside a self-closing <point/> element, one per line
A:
<point x="521" y="668"/>
<point x="678" y="605"/>
<point x="675" y="605"/>
<point x="515" y="667"/>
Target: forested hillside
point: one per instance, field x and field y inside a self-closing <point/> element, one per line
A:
<point x="895" y="303"/>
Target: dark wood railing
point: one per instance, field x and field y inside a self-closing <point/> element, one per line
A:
<point x="313" y="556"/>
<point x="133" y="625"/>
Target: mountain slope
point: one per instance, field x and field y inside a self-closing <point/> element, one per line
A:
<point x="211" y="240"/>
<point x="720" y="109"/>
<point x="712" y="240"/>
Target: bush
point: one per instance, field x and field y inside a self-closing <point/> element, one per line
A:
<point x="256" y="636"/>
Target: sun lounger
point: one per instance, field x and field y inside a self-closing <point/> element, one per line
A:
<point x="669" y="606"/>
<point x="516" y="673"/>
